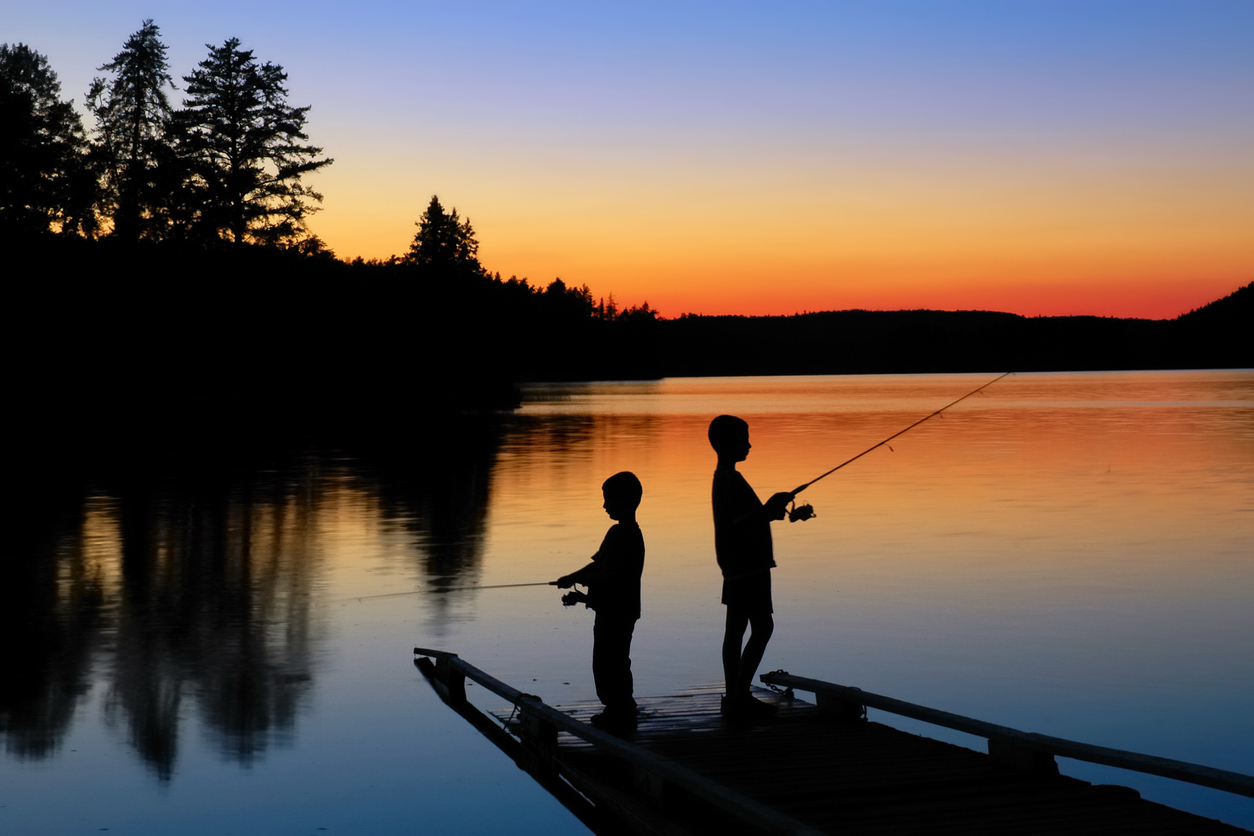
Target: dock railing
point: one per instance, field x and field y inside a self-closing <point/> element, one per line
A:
<point x="541" y="722"/>
<point x="1026" y="749"/>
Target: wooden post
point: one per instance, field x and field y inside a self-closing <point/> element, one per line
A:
<point x="449" y="684"/>
<point x="1021" y="755"/>
<point x="535" y="728"/>
<point x="840" y="707"/>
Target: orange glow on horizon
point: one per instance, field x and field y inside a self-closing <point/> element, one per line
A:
<point x="1066" y="233"/>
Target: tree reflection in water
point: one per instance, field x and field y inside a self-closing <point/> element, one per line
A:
<point x="185" y="583"/>
<point x="51" y="610"/>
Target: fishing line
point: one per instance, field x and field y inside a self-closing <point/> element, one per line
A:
<point x="805" y="512"/>
<point x="446" y="589"/>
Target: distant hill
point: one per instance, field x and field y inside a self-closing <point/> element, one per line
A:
<point x="1236" y="308"/>
<point x="1217" y="335"/>
<point x="1221" y="332"/>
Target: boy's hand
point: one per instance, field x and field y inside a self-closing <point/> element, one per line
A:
<point x="564" y="582"/>
<point x="777" y="505"/>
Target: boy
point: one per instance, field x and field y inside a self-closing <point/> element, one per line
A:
<point x="613" y="581"/>
<point x="742" y="545"/>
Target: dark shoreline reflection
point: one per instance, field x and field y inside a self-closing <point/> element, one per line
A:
<point x="178" y="571"/>
<point x="213" y="605"/>
<point x="51" y="602"/>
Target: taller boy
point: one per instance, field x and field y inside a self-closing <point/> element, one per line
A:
<point x="742" y="544"/>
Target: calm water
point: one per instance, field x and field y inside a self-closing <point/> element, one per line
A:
<point x="1071" y="554"/>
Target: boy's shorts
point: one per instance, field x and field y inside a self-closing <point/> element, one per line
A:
<point x="750" y="594"/>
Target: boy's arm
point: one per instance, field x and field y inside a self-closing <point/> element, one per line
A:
<point x="777" y="506"/>
<point x="741" y="503"/>
<point x="583" y="576"/>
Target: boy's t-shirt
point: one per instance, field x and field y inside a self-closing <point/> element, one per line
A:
<point x="620" y="561"/>
<point x="742" y="532"/>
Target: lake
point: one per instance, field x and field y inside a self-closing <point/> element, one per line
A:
<point x="222" y="643"/>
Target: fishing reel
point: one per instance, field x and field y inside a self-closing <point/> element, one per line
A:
<point x="574" y="597"/>
<point x="800" y="513"/>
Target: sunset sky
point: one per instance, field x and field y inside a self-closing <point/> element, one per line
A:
<point x="1034" y="156"/>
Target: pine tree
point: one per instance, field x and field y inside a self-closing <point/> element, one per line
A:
<point x="44" y="178"/>
<point x="444" y="241"/>
<point x="245" y="149"/>
<point x="132" y="113"/>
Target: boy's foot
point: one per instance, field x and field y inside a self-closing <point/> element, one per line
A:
<point x="746" y="707"/>
<point x="757" y="708"/>
<point x="615" y="721"/>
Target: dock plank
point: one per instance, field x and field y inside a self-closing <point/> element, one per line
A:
<point x="687" y="770"/>
<point x="867" y="778"/>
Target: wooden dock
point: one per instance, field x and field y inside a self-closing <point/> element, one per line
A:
<point x="814" y="768"/>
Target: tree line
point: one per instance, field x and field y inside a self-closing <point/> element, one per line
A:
<point x="228" y="164"/>
<point x="215" y="192"/>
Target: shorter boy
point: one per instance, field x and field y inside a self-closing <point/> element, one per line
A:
<point x="613" y="581"/>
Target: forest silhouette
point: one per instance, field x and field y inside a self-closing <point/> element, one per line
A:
<point x="164" y="257"/>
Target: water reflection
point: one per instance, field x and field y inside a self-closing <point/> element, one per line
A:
<point x="51" y="603"/>
<point x="213" y="608"/>
<point x="1065" y="553"/>
<point x="186" y="586"/>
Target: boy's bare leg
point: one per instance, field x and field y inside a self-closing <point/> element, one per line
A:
<point x="737" y="623"/>
<point x="739" y="665"/>
<point x="761" y="627"/>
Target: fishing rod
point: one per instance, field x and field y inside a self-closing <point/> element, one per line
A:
<point x="493" y="586"/>
<point x="450" y="589"/>
<point x="805" y="512"/>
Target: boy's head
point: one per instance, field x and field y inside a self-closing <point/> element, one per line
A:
<point x="729" y="436"/>
<point x="622" y="493"/>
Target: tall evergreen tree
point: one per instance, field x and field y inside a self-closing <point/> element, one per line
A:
<point x="246" y="150"/>
<point x="132" y="113"/>
<point x="444" y="241"/>
<point x="44" y="178"/>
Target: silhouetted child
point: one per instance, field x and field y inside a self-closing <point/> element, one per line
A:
<point x="742" y="544"/>
<point x="613" y="581"/>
